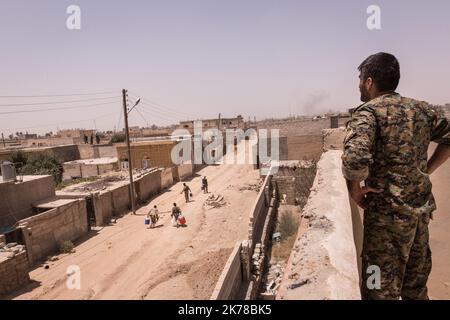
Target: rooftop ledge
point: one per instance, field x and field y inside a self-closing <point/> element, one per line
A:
<point x="323" y="264"/>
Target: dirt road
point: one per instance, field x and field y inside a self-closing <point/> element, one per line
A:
<point x="128" y="261"/>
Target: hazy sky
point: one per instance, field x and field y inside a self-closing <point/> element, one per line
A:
<point x="201" y="57"/>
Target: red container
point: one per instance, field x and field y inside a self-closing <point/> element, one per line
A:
<point x="182" y="220"/>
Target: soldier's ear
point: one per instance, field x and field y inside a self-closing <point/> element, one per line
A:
<point x="369" y="83"/>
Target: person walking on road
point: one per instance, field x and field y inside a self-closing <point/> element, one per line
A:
<point x="187" y="192"/>
<point x="153" y="215"/>
<point x="176" y="211"/>
<point x="205" y="185"/>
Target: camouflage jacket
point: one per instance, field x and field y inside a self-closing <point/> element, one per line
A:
<point x="386" y="145"/>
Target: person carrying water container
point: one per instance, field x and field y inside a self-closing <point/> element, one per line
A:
<point x="152" y="217"/>
<point x="176" y="211"/>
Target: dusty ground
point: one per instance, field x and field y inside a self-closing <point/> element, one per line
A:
<point x="128" y="261"/>
<point x="439" y="282"/>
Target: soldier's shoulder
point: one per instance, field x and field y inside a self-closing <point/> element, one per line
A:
<point x="414" y="102"/>
<point x="365" y="107"/>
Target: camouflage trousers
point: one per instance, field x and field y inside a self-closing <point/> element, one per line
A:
<point x="397" y="247"/>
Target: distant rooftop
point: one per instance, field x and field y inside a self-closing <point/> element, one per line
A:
<point x="105" y="160"/>
<point x="24" y="179"/>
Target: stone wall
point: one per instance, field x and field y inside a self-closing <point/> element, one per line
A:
<point x="44" y="232"/>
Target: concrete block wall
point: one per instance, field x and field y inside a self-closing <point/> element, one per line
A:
<point x="149" y="185"/>
<point x="103" y="206"/>
<point x="13" y="272"/>
<point x="106" y="151"/>
<point x="230" y="280"/>
<point x="185" y="171"/>
<point x="236" y="277"/>
<point x="43" y="233"/>
<point x="64" y="153"/>
<point x="121" y="199"/>
<point x="89" y="170"/>
<point x="166" y="178"/>
<point x="105" y="168"/>
<point x="72" y="170"/>
<point x="259" y="211"/>
<point x="17" y="198"/>
<point x="86" y="151"/>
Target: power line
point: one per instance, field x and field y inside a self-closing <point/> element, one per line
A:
<point x="166" y="114"/>
<point x="145" y="120"/>
<point x="56" y="102"/>
<point x="61" y="95"/>
<point x="120" y="118"/>
<point x="60" y="123"/>
<point x="165" y="108"/>
<point x="62" y="108"/>
<point x="148" y="111"/>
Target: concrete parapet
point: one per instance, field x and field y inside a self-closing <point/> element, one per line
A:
<point x="323" y="263"/>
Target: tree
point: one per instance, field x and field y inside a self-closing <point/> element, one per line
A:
<point x="42" y="163"/>
<point x="19" y="158"/>
<point x="118" y="137"/>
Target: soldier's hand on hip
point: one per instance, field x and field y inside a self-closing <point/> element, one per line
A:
<point x="359" y="195"/>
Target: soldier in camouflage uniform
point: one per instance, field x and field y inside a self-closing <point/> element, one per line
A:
<point x="386" y="146"/>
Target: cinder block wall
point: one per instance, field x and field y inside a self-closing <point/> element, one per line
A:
<point x="149" y="185"/>
<point x="43" y="233"/>
<point x="185" y="171"/>
<point x="229" y="283"/>
<point x="13" y="273"/>
<point x="166" y="178"/>
<point x="17" y="198"/>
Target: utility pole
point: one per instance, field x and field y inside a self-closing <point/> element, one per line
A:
<point x="220" y="122"/>
<point x="3" y="138"/>
<point x="127" y="137"/>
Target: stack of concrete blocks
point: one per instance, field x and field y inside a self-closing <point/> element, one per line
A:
<point x="14" y="267"/>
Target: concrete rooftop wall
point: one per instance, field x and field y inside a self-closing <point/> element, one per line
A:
<point x="323" y="263"/>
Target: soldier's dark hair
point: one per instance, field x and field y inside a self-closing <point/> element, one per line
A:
<point x="383" y="68"/>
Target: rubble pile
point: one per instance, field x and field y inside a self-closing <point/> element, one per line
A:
<point x="257" y="261"/>
<point x="251" y="187"/>
<point x="273" y="279"/>
<point x="9" y="250"/>
<point x="214" y="201"/>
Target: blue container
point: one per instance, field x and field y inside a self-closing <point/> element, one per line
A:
<point x="147" y="221"/>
